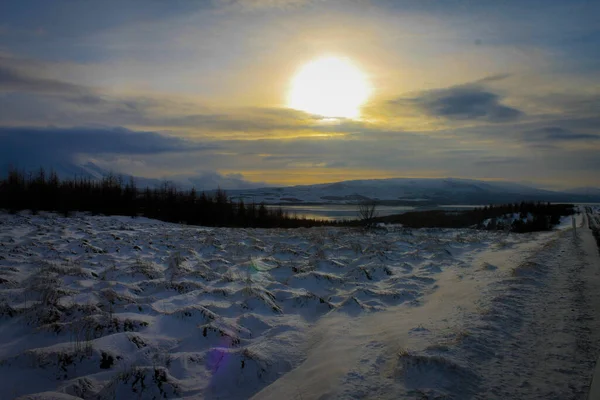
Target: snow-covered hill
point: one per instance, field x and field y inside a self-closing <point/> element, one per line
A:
<point x="587" y="191"/>
<point x="407" y="191"/>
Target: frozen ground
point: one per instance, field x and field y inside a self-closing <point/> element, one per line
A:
<point x="113" y="307"/>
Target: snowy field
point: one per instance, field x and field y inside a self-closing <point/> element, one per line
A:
<point x="121" y="308"/>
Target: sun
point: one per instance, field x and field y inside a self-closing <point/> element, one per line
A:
<point x="332" y="87"/>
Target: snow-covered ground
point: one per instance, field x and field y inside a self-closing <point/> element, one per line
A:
<point x="114" y="307"/>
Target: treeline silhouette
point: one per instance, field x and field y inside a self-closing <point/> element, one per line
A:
<point x="530" y="217"/>
<point x="112" y="195"/>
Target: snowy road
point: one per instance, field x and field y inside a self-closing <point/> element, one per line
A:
<point x="544" y="324"/>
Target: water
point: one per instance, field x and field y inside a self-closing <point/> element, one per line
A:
<point x="334" y="212"/>
<point x="461" y="206"/>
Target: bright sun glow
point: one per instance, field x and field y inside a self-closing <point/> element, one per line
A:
<point x="331" y="87"/>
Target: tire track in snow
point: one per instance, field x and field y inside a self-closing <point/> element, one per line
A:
<point x="540" y="337"/>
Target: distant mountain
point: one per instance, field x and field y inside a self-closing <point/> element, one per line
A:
<point x="586" y="191"/>
<point x="410" y="191"/>
<point x="394" y="191"/>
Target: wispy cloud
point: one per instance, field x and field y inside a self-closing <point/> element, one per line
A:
<point x="50" y="99"/>
<point x="556" y="134"/>
<point x="14" y="81"/>
<point x="499" y="161"/>
<point x="263" y="4"/>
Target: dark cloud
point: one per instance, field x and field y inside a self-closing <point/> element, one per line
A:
<point x="15" y="81"/>
<point x="466" y="102"/>
<point x="66" y="151"/>
<point x="22" y="79"/>
<point x="557" y="134"/>
<point x="33" y="147"/>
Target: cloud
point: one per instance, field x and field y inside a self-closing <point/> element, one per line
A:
<point x="36" y="101"/>
<point x="27" y="94"/>
<point x="493" y="78"/>
<point x="34" y="147"/>
<point x="238" y="121"/>
<point x="259" y="5"/>
<point x="32" y="99"/>
<point x="15" y="81"/>
<point x="465" y="102"/>
<point x="499" y="161"/>
<point x="209" y="180"/>
<point x="579" y="103"/>
<point x="557" y="134"/>
<point x="250" y="139"/>
<point x="303" y="161"/>
<point x="24" y="79"/>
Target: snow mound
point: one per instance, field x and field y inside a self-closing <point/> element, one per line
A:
<point x="114" y="307"/>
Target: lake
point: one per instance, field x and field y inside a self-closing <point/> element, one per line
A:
<point x="333" y="212"/>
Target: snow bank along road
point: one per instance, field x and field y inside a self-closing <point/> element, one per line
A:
<point x="113" y="307"/>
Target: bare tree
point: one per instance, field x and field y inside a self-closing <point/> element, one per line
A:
<point x="367" y="212"/>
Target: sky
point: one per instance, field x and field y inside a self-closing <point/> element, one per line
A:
<point x="198" y="91"/>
